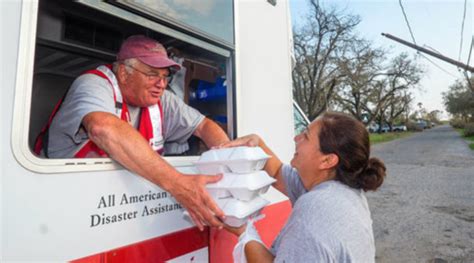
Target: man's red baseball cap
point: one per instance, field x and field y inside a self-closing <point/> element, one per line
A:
<point x="148" y="51"/>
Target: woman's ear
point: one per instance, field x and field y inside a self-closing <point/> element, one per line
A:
<point x="329" y="161"/>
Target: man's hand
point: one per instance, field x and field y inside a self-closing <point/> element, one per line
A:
<point x="251" y="140"/>
<point x="108" y="132"/>
<point x="190" y="192"/>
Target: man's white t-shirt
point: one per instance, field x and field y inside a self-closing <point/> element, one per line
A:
<point x="90" y="93"/>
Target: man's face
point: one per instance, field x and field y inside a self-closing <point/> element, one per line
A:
<point x="144" y="86"/>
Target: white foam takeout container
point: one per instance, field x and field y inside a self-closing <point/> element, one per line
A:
<point x="243" y="187"/>
<point x="238" y="212"/>
<point x="242" y="159"/>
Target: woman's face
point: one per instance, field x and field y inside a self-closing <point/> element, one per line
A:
<point x="312" y="165"/>
<point x="307" y="155"/>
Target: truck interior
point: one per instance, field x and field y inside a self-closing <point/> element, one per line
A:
<point x="73" y="38"/>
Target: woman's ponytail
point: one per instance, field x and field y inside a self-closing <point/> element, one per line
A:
<point x="373" y="176"/>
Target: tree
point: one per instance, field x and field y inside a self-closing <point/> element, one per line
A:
<point x="396" y="105"/>
<point x="459" y="101"/>
<point x="360" y="66"/>
<point x="381" y="92"/>
<point x="434" y="116"/>
<point x="318" y="44"/>
<point x="402" y="75"/>
<point x="469" y="81"/>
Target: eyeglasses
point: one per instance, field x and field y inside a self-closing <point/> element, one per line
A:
<point x="151" y="76"/>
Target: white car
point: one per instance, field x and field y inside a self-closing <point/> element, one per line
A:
<point x="399" y="128"/>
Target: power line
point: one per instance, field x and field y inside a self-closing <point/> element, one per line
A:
<point x="462" y="29"/>
<point x="414" y="41"/>
<point x="438" y="66"/>
<point x="470" y="50"/>
<point x="432" y="49"/>
<point x="429" y="52"/>
<point x="406" y="20"/>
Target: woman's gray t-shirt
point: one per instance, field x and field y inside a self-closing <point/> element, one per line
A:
<point x="329" y="223"/>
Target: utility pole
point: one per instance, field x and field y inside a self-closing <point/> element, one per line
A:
<point x="429" y="52"/>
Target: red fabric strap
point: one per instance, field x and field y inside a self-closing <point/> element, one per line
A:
<point x="145" y="127"/>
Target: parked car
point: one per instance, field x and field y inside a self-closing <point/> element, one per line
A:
<point x="399" y="128"/>
<point x="422" y="124"/>
<point x="374" y="127"/>
<point x="385" y="128"/>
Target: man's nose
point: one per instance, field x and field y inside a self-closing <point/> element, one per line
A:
<point x="161" y="83"/>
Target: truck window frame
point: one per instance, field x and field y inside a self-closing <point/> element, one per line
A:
<point x="142" y="8"/>
<point x="24" y="85"/>
<point x="301" y="121"/>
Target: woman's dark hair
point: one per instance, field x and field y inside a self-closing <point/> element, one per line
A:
<point x="348" y="138"/>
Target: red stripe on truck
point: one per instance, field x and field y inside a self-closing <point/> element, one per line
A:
<point x="154" y="250"/>
<point x="222" y="242"/>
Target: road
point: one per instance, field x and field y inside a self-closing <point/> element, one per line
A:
<point x="424" y="211"/>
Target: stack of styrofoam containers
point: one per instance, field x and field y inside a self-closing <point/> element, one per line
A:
<point x="238" y="193"/>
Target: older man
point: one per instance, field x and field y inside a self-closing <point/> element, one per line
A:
<point x="124" y="112"/>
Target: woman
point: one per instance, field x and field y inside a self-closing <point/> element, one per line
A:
<point x="329" y="173"/>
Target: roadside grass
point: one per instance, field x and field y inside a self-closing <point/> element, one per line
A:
<point x="389" y="136"/>
<point x="470" y="138"/>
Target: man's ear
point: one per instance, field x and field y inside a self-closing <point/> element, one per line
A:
<point x="329" y="161"/>
<point x="122" y="73"/>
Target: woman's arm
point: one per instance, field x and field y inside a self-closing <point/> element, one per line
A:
<point x="257" y="252"/>
<point x="273" y="165"/>
<point x="250" y="245"/>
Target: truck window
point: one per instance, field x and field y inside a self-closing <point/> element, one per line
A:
<point x="200" y="18"/>
<point x="301" y="121"/>
<point x="73" y="37"/>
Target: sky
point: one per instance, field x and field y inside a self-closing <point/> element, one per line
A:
<point x="435" y="24"/>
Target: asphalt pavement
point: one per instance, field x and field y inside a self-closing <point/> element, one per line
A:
<point x="424" y="211"/>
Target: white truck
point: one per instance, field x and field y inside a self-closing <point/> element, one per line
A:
<point x="94" y="210"/>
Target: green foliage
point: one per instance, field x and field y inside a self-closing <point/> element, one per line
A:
<point x="457" y="123"/>
<point x="469" y="130"/>
<point x="468" y="137"/>
<point x="459" y="100"/>
<point x="385" y="137"/>
<point x="434" y="116"/>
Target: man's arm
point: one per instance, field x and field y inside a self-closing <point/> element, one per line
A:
<point x="125" y="145"/>
<point x="211" y="133"/>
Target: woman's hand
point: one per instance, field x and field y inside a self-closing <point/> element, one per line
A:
<point x="251" y="140"/>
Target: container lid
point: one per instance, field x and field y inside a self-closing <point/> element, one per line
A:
<point x="251" y="181"/>
<point x="233" y="154"/>
<point x="241" y="209"/>
<point x="215" y="155"/>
